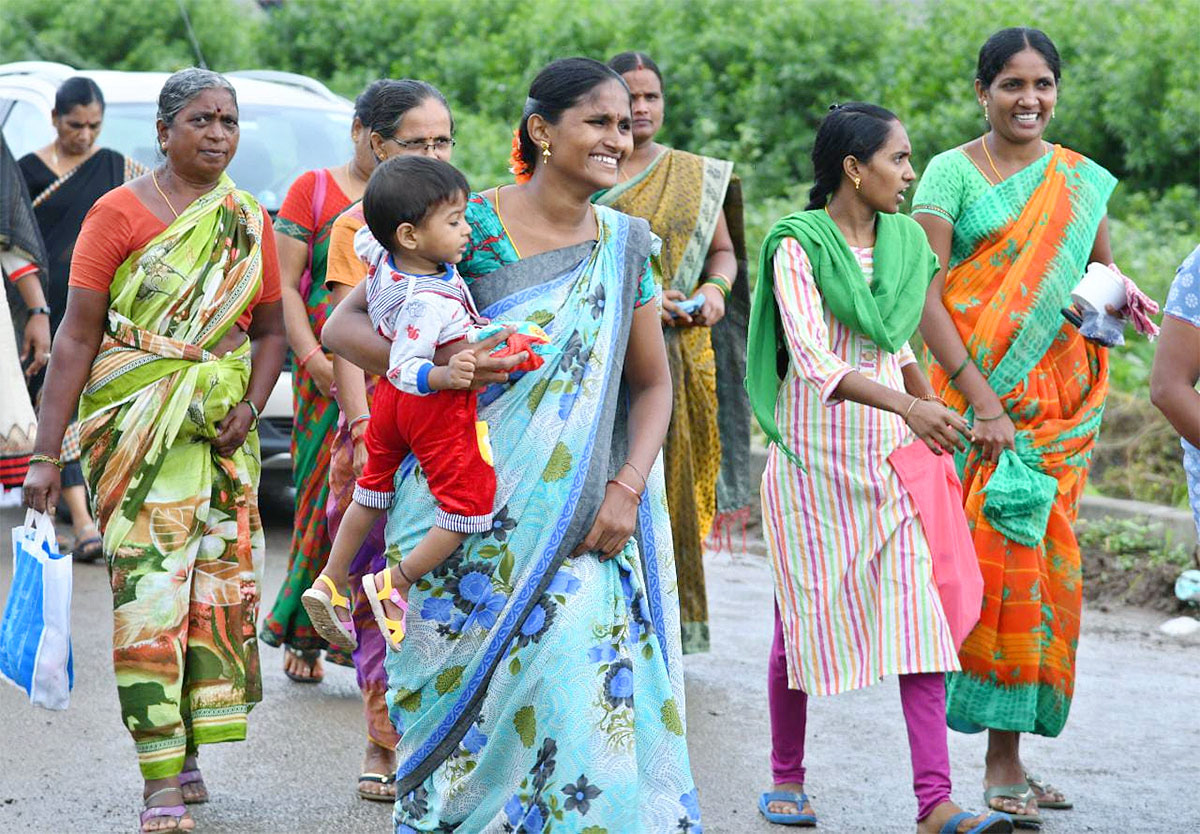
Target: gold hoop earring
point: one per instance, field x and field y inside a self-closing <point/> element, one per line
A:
<point x="857" y="183"/>
<point x="545" y="151"/>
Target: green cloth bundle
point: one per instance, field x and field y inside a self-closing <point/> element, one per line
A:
<point x="1018" y="499"/>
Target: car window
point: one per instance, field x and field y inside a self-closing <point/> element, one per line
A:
<point x="277" y="144"/>
<point x="26" y="129"/>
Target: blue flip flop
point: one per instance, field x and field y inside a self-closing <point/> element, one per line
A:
<point x="768" y="797"/>
<point x="994" y="824"/>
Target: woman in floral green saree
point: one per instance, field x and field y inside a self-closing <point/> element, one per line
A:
<point x="171" y="274"/>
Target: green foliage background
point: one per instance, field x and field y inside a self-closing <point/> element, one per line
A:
<point x="747" y="80"/>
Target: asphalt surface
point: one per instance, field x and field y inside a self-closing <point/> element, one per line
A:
<point x="1129" y="758"/>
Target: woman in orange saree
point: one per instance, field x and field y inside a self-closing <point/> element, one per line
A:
<point x="1015" y="222"/>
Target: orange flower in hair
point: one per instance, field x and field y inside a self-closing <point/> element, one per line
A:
<point x="520" y="170"/>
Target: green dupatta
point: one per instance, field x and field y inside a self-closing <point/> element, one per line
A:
<point x="886" y="310"/>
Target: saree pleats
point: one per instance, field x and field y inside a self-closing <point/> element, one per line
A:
<point x="539" y="690"/>
<point x="1017" y="253"/>
<point x="708" y="444"/>
<point x="180" y="523"/>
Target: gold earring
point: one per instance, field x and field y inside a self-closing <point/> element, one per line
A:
<point x="983" y="104"/>
<point x="857" y="183"/>
<point x="1052" y="112"/>
<point x="545" y="151"/>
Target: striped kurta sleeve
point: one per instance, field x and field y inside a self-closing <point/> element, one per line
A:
<point x="803" y="316"/>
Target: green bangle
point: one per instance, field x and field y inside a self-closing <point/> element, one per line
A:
<point x="720" y="282"/>
<point x="253" y="411"/>
<point x="979" y="419"/>
<point x="959" y="369"/>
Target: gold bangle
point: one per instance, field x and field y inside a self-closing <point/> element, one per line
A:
<point x="637" y="495"/>
<point x="629" y="463"/>
<point x="53" y="461"/>
<point x="911" y="406"/>
<point x="934" y="398"/>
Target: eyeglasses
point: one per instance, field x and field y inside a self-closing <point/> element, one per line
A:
<point x="433" y="143"/>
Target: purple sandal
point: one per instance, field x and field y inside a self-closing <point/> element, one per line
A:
<point x="191" y="777"/>
<point x="150" y="812"/>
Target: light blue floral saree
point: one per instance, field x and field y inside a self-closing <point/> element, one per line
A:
<point x="537" y="692"/>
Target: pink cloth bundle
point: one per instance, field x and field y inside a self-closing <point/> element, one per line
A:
<point x="936" y="490"/>
<point x="1139" y="307"/>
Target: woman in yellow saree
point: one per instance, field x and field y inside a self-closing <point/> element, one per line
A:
<point x="694" y="203"/>
<point x="171" y="274"/>
<point x="1015" y="221"/>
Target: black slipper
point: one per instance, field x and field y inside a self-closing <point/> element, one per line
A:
<point x="377" y="779"/>
<point x="309" y="656"/>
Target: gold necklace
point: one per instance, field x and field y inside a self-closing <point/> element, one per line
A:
<point x="158" y="188"/>
<point x="988" y="154"/>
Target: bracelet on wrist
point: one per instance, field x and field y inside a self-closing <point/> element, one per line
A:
<point x="721" y="282"/>
<point x="629" y="463"/>
<point x="953" y="376"/>
<point x="362" y="418"/>
<point x="303" y="361"/>
<point x="40" y="310"/>
<point x="637" y="495"/>
<point x="253" y="413"/>
<point x="934" y="398"/>
<point x="979" y="419"/>
<point x="53" y="461"/>
<point x="911" y="406"/>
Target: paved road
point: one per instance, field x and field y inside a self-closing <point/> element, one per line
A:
<point x="1130" y="756"/>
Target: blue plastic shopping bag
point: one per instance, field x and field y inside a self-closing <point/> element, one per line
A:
<point x="35" y="632"/>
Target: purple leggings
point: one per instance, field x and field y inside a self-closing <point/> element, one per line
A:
<point x="923" y="699"/>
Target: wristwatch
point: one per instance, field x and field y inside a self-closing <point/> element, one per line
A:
<point x="43" y="310"/>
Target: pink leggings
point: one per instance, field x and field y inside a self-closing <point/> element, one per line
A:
<point x="923" y="699"/>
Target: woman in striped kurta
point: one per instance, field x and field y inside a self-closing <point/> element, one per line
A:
<point x="855" y="589"/>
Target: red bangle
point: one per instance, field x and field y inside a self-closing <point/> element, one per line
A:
<point x="626" y="487"/>
<point x="304" y="361"/>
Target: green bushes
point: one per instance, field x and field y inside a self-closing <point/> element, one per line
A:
<point x="747" y="80"/>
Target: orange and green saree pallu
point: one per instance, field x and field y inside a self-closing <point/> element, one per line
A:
<point x="1018" y="250"/>
<point x="182" y="534"/>
<point x="707" y="451"/>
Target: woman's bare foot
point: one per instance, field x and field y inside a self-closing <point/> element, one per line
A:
<point x="191" y="783"/>
<point x="933" y="822"/>
<point x="164" y="793"/>
<point x="783" y="806"/>
<point x="378" y="760"/>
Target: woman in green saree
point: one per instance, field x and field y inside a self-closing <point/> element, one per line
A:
<point x="174" y="336"/>
<point x="694" y="203"/>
